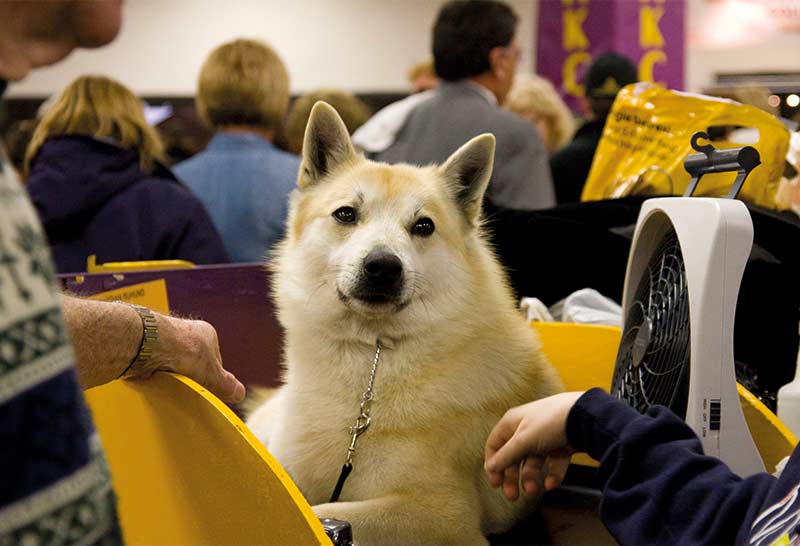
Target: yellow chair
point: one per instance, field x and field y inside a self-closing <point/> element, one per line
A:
<point x="119" y="267"/>
<point x="584" y="355"/>
<point x="187" y="470"/>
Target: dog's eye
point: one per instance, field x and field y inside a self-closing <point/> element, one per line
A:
<point x="345" y="215"/>
<point x="423" y="227"/>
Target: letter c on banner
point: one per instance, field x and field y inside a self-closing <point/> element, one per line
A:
<point x="646" y="63"/>
<point x="569" y="70"/>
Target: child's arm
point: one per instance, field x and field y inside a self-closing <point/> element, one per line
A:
<point x="530" y="435"/>
<point x="658" y="487"/>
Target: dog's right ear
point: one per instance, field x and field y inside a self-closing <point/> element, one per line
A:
<point x="326" y="145"/>
<point x="468" y="171"/>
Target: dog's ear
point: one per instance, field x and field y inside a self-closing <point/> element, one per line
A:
<point x="468" y="171"/>
<point x="326" y="145"/>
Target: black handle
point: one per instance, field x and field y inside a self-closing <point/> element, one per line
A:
<point x="710" y="160"/>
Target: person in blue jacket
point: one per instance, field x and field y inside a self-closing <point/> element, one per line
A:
<point x="658" y="486"/>
<point x="242" y="177"/>
<point x="95" y="176"/>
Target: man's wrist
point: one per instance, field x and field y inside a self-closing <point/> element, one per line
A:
<point x="143" y="358"/>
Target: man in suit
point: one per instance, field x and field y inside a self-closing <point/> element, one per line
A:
<point x="475" y="54"/>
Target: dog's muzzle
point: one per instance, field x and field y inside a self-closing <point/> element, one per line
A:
<point x="380" y="279"/>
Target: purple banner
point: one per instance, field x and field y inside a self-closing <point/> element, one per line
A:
<point x="573" y="32"/>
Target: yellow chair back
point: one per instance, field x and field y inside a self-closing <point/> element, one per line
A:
<point x="187" y="470"/>
<point x="120" y="267"/>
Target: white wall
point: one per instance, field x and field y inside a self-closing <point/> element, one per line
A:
<point x="737" y="39"/>
<point x="360" y="45"/>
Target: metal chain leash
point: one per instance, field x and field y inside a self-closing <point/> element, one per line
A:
<point x="363" y="420"/>
<point x="360" y="425"/>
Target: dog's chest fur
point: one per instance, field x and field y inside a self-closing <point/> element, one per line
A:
<point x="429" y="417"/>
<point x="322" y="401"/>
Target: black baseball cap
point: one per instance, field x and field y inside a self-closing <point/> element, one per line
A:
<point x="608" y="74"/>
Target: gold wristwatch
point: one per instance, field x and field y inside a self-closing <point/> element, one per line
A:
<point x="149" y="338"/>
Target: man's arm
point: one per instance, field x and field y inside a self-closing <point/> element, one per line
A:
<point x="107" y="336"/>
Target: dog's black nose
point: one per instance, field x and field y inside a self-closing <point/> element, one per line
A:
<point x="383" y="267"/>
<point x="382" y="277"/>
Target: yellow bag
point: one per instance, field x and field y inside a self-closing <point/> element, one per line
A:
<point x="648" y="135"/>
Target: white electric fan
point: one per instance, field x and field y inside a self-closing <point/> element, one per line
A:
<point x="679" y="303"/>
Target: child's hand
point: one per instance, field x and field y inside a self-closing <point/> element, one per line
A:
<point x="528" y="435"/>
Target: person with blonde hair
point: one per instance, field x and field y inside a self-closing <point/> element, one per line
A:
<point x="94" y="173"/>
<point x="422" y="77"/>
<point x="353" y="111"/>
<point x="244" y="180"/>
<point x="535" y="99"/>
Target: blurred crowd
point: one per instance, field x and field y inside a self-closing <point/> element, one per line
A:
<point x="209" y="183"/>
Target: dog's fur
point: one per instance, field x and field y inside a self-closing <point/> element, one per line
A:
<point x="456" y="353"/>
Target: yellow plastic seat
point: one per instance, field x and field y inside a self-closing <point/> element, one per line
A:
<point x="187" y="470"/>
<point x="117" y="267"/>
<point x="584" y="355"/>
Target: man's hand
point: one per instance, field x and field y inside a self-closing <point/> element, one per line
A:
<point x="530" y="436"/>
<point x="107" y="336"/>
<point x="191" y="348"/>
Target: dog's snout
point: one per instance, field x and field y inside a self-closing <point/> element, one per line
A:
<point x="381" y="278"/>
<point x="380" y="265"/>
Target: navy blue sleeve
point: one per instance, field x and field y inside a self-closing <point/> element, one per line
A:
<point x="658" y="487"/>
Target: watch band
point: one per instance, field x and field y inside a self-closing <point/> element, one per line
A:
<point x="149" y="338"/>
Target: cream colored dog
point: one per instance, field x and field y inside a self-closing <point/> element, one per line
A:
<point x="396" y="254"/>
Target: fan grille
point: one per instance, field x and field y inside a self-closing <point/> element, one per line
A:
<point x="653" y="361"/>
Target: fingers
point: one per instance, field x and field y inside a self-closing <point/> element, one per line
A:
<point x="556" y="471"/>
<point x="510" y="454"/>
<point x="511" y="482"/>
<point x="495" y="478"/>
<point x="209" y="365"/>
<point x="228" y="388"/>
<point x="500" y="434"/>
<point x="531" y="475"/>
<point x="191" y="348"/>
<point x="504" y="446"/>
<point x="526" y="436"/>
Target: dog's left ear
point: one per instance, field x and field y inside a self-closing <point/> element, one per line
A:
<point x="468" y="172"/>
<point x="326" y="145"/>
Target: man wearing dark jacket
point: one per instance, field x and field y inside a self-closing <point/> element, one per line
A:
<point x="570" y="166"/>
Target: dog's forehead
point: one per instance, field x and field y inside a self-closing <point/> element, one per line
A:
<point x="390" y="182"/>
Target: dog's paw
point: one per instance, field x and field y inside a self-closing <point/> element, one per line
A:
<point x="327" y="510"/>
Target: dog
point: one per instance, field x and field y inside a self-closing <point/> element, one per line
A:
<point x="396" y="255"/>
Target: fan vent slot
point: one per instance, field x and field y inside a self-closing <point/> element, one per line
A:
<point x="653" y="361"/>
